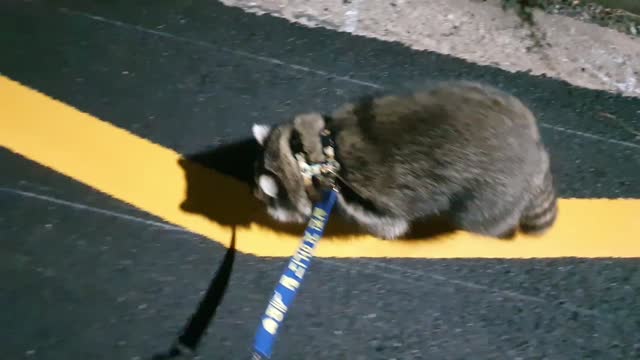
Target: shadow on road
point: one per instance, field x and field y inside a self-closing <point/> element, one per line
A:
<point x="186" y="345"/>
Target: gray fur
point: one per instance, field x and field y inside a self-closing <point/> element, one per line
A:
<point x="462" y="149"/>
<point x="309" y="126"/>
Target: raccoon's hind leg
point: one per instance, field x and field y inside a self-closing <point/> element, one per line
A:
<point x="488" y="213"/>
<point x="542" y="210"/>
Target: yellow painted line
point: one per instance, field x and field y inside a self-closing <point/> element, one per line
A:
<point x="148" y="176"/>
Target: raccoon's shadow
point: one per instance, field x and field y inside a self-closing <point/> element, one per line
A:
<point x="225" y="196"/>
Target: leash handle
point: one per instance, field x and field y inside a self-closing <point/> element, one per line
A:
<point x="290" y="281"/>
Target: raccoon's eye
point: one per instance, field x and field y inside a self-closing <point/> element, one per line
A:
<point x="268" y="185"/>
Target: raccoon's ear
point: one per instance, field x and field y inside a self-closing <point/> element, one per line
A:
<point x="268" y="185"/>
<point x="260" y="132"/>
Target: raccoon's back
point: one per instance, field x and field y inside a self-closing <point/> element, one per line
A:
<point x="443" y="137"/>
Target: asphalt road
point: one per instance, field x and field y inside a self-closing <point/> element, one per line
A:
<point x="88" y="277"/>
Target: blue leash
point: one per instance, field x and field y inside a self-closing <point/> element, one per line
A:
<point x="290" y="281"/>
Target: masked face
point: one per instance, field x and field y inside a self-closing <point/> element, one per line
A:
<point x="269" y="172"/>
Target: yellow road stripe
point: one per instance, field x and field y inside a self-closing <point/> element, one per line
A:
<point x="149" y="177"/>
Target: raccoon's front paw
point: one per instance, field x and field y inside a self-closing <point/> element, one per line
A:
<point x="286" y="216"/>
<point x="389" y="229"/>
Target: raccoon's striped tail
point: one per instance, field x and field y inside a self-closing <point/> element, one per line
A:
<point x="542" y="210"/>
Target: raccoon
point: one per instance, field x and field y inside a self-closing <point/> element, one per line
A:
<point x="460" y="149"/>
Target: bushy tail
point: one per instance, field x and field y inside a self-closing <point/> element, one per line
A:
<point x="542" y="211"/>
